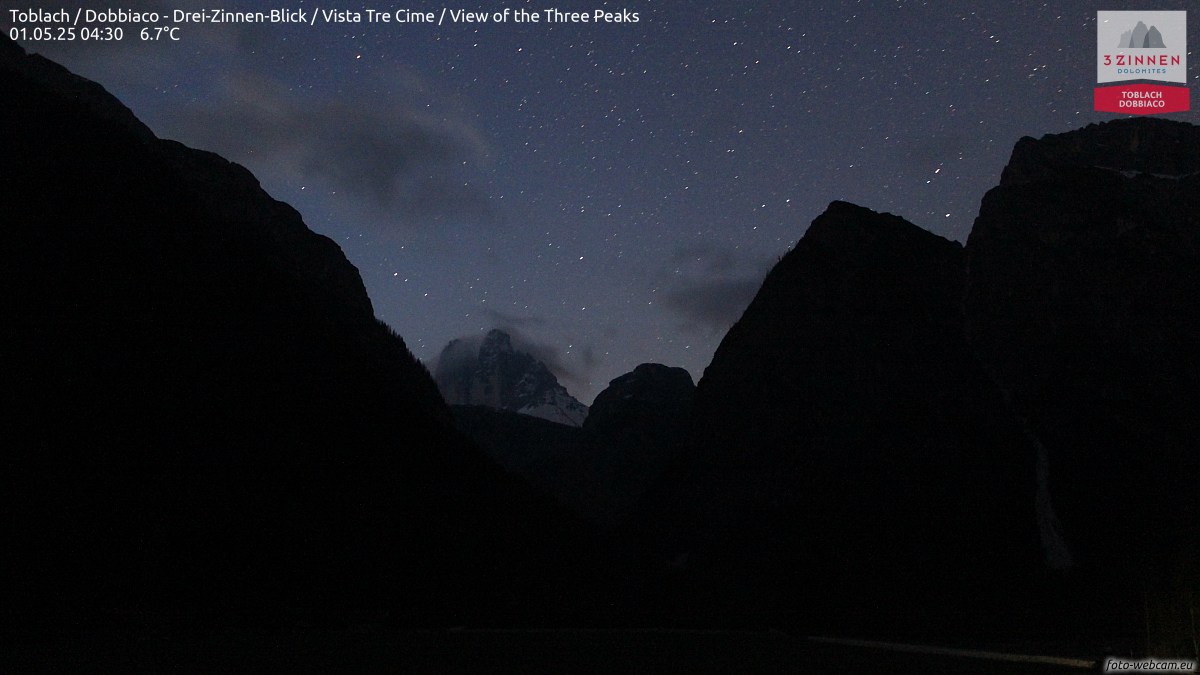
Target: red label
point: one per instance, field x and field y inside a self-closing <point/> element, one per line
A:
<point x="1142" y="99"/>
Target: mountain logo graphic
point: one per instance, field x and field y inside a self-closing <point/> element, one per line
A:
<point x="1141" y="38"/>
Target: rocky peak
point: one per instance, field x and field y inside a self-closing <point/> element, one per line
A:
<point x="649" y="381"/>
<point x="1146" y="145"/>
<point x="497" y="342"/>
<point x="652" y="392"/>
<point x="497" y="375"/>
<point x="845" y="385"/>
<point x="851" y="259"/>
<point x="856" y="235"/>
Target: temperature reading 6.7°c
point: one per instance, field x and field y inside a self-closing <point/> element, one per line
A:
<point x="160" y="33"/>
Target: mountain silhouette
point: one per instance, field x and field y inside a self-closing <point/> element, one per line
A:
<point x="207" y="427"/>
<point x="600" y="471"/>
<point x="1137" y="37"/>
<point x="1153" y="39"/>
<point x="899" y="422"/>
<point x="846" y="448"/>
<point x="1141" y="37"/>
<point x="1081" y="302"/>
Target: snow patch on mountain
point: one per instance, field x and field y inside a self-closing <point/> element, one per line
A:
<point x="497" y="375"/>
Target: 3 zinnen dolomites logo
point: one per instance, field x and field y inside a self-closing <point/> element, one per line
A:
<point x="1139" y="46"/>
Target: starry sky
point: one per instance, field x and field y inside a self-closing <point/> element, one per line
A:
<point x="610" y="193"/>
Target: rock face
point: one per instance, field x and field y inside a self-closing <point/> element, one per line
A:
<point x="497" y="376"/>
<point x="846" y="447"/>
<point x="1082" y="302"/>
<point x="652" y="399"/>
<point x="636" y="428"/>
<point x="205" y="422"/>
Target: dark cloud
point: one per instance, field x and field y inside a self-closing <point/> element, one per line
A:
<point x="707" y="257"/>
<point x="407" y="159"/>
<point x="710" y="285"/>
<point x="398" y="159"/>
<point x="505" y="321"/>
<point x="713" y="305"/>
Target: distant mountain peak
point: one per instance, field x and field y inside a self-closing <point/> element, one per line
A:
<point x="497" y="375"/>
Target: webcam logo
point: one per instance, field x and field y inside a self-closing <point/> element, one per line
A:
<point x="1139" y="48"/>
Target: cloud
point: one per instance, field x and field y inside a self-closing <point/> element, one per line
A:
<point x="588" y="357"/>
<point x="457" y="353"/>
<point x="132" y="59"/>
<point x="385" y="140"/>
<point x="573" y="377"/>
<point x="505" y="321"/>
<point x="399" y="160"/>
<point x="710" y="285"/>
<point x="708" y="258"/>
<point x="713" y="305"/>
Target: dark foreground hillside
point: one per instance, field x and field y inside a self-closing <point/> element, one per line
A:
<point x="205" y="425"/>
<point x="1001" y="434"/>
<point x="373" y="649"/>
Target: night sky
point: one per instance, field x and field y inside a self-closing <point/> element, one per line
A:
<point x="612" y="194"/>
